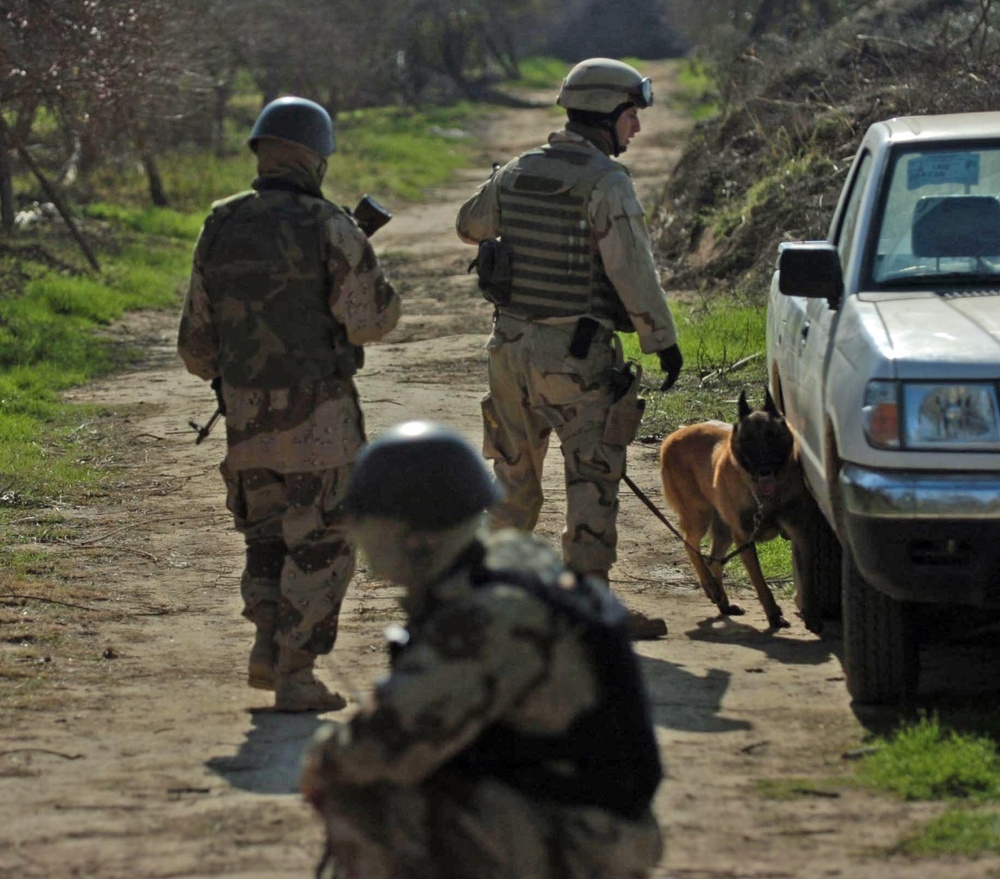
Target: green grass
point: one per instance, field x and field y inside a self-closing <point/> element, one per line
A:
<point x="541" y="73"/>
<point x="697" y="91"/>
<point x="927" y="760"/>
<point x="966" y="832"/>
<point x="392" y="153"/>
<point x="722" y="340"/>
<point x="161" y="222"/>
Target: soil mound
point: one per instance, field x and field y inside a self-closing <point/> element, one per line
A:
<point x="770" y="165"/>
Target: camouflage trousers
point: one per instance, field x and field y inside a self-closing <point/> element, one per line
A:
<point x="481" y="830"/>
<point x="535" y="388"/>
<point x="298" y="554"/>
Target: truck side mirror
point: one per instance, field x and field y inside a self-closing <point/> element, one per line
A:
<point x="811" y="269"/>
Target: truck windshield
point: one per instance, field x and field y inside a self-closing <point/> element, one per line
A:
<point x="940" y="219"/>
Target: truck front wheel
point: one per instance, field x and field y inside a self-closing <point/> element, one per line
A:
<point x="823" y="579"/>
<point x="880" y="646"/>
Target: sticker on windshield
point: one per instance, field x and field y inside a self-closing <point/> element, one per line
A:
<point x="942" y="168"/>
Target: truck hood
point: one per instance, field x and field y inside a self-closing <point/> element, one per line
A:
<point x="960" y="329"/>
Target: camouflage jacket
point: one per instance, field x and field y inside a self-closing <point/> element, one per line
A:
<point x="286" y="348"/>
<point x="617" y="221"/>
<point x="481" y="656"/>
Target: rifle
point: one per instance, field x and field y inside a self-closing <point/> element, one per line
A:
<point x="370" y="217"/>
<point x="207" y="429"/>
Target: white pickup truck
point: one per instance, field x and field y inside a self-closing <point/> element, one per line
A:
<point x="883" y="352"/>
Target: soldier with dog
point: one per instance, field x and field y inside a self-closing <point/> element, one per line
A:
<point x="565" y="257"/>
<point x="284" y="291"/>
<point x="512" y="735"/>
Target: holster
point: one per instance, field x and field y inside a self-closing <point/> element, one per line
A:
<point x="625" y="416"/>
<point x="493" y="270"/>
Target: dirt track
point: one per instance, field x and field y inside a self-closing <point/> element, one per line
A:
<point x="154" y="760"/>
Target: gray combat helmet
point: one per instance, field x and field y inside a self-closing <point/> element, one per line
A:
<point x="602" y="85"/>
<point x="296" y="119"/>
<point x="421" y="473"/>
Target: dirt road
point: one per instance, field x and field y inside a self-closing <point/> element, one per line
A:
<point x="151" y="758"/>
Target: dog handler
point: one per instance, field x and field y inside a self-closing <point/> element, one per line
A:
<point x="512" y="735"/>
<point x="284" y="290"/>
<point x="573" y="265"/>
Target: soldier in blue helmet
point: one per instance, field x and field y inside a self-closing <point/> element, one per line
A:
<point x="512" y="735"/>
<point x="284" y="291"/>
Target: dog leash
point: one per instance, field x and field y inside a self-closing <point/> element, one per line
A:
<point x="639" y="493"/>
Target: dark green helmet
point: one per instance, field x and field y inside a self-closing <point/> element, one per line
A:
<point x="422" y="473"/>
<point x="296" y="119"/>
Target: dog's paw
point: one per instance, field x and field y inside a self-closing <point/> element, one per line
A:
<point x="731" y="610"/>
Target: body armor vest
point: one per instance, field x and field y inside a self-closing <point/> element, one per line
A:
<point x="264" y="264"/>
<point x="608" y="757"/>
<point x="557" y="269"/>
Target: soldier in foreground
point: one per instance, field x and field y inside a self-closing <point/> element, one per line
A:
<point x="512" y="735"/>
<point x="565" y="257"/>
<point x="284" y="290"/>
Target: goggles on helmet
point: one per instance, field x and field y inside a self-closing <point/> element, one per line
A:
<point x="642" y="94"/>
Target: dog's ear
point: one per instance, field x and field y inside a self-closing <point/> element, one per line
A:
<point x="744" y="406"/>
<point x="769" y="405"/>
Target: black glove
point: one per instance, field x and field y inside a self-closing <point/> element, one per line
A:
<point x="671" y="362"/>
<point x="217" y="387"/>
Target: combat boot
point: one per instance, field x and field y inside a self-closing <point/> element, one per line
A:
<point x="262" y="672"/>
<point x="640" y="626"/>
<point x="644" y="628"/>
<point x="297" y="688"/>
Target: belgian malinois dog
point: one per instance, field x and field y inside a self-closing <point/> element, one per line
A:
<point x="743" y="482"/>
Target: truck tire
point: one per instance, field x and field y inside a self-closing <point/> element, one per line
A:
<point x="880" y="646"/>
<point x="825" y="577"/>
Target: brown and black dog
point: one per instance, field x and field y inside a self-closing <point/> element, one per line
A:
<point x="743" y="482"/>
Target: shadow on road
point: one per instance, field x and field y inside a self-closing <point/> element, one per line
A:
<point x="269" y="760"/>
<point x="685" y="701"/>
<point x="789" y="650"/>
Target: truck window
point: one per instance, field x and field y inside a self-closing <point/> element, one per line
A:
<point x="940" y="217"/>
<point x="845" y="235"/>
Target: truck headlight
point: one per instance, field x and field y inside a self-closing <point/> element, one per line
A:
<point x="880" y="414"/>
<point x="936" y="415"/>
<point x="931" y="415"/>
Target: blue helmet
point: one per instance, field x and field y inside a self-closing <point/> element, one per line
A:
<point x="296" y="119"/>
<point x="422" y="473"/>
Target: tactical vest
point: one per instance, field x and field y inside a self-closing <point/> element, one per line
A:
<point x="557" y="269"/>
<point x="608" y="757"/>
<point x="263" y="259"/>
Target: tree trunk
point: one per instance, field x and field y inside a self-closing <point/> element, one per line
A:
<point x="50" y="191"/>
<point x="6" y="185"/>
<point x="222" y="93"/>
<point x="156" y="190"/>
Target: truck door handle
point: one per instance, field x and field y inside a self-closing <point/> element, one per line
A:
<point x="805" y="331"/>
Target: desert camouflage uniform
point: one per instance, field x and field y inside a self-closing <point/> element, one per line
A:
<point x="398" y="793"/>
<point x="535" y="386"/>
<point x="284" y="289"/>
